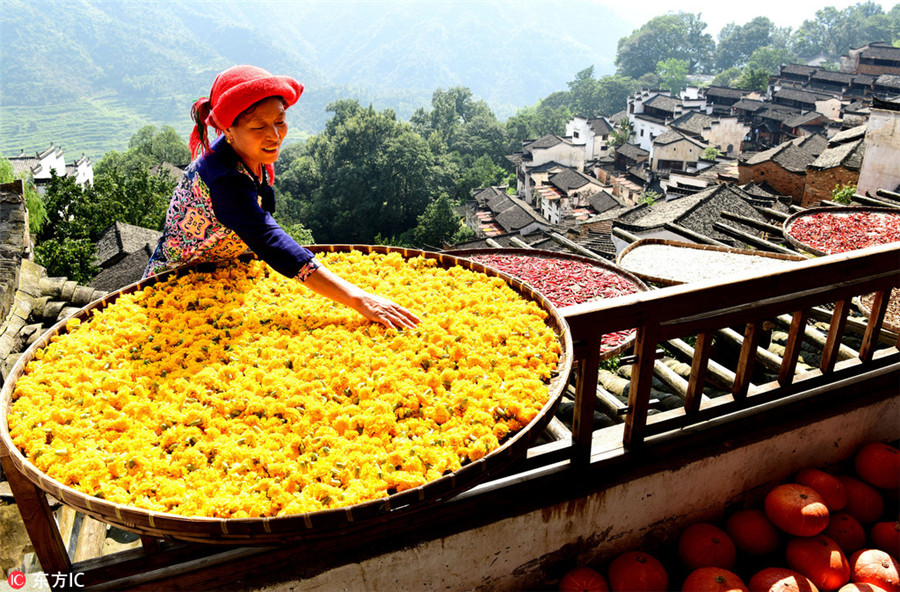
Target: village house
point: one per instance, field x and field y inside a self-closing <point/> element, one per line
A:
<point x="674" y="150"/>
<point x="784" y="166"/>
<point x="725" y="133"/>
<point x="492" y="211"/>
<point x="837" y="165"/>
<point x="874" y="58"/>
<point x="649" y="112"/>
<point x="800" y="100"/>
<point x="43" y="165"/>
<point x="593" y="133"/>
<point x="538" y="156"/>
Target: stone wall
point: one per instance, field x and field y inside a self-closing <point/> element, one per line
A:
<point x="820" y="184"/>
<point x="30" y="301"/>
<point x="780" y="179"/>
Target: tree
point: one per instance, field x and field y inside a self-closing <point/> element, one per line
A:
<point x="621" y="133"/>
<point x="437" y="225"/>
<point x="737" y="43"/>
<point x="833" y="32"/>
<point x="146" y="149"/>
<point x="673" y="75"/>
<point x="770" y="59"/>
<point x="365" y="175"/>
<point x="752" y="79"/>
<point x="710" y="153"/>
<point x="678" y="36"/>
<point x="726" y="77"/>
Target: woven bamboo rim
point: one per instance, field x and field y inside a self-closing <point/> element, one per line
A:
<point x="280" y="529"/>
<point x="789" y="222"/>
<point x="605" y="354"/>
<point x="671" y="243"/>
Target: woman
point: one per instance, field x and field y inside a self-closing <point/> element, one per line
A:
<point x="225" y="200"/>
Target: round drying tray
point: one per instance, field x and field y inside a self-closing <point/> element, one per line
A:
<point x="332" y="521"/>
<point x="613" y="344"/>
<point x="884" y="214"/>
<point x="670" y="263"/>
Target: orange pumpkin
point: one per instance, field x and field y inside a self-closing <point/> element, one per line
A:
<point x="780" y="579"/>
<point x="583" y="579"/>
<point x="706" y="545"/>
<point x="713" y="579"/>
<point x="886" y="536"/>
<point x="796" y="509"/>
<point x="854" y="587"/>
<point x="752" y="532"/>
<point x="820" y="559"/>
<point x="874" y="566"/>
<point x="878" y="464"/>
<point x="864" y="502"/>
<point x="826" y="485"/>
<point x="847" y="532"/>
<point x="636" y="571"/>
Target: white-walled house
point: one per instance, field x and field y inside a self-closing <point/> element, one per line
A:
<point x="43" y="165"/>
<point x="592" y="133"/>
<point x="536" y="155"/>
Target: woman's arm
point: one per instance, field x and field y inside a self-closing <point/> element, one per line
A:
<point x="375" y="308"/>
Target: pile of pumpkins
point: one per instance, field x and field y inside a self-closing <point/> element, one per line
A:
<point x="820" y="531"/>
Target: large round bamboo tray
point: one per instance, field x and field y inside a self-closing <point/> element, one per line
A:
<point x="299" y="526"/>
<point x="694" y="250"/>
<point x="606" y="352"/>
<point x="838" y="210"/>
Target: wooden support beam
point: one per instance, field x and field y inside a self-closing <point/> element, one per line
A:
<point x="625" y="235"/>
<point x="765" y="227"/>
<point x="885" y="336"/>
<point x="574" y="246"/>
<point x="752" y="240"/>
<point x="519" y="242"/>
<point x="694" y="236"/>
<point x="864" y="200"/>
<point x="780" y="216"/>
<point x="492" y="243"/>
<point x="819" y="339"/>
<point x="700" y="364"/>
<point x="671" y="378"/>
<point x="717" y="374"/>
<point x="771" y="361"/>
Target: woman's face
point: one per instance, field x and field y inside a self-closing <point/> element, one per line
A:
<point x="256" y="136"/>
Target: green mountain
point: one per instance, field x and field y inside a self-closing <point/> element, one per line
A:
<point x="86" y="74"/>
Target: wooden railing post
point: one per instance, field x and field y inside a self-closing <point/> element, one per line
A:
<point x="641" y="381"/>
<point x="587" y="365"/>
<point x="792" y="347"/>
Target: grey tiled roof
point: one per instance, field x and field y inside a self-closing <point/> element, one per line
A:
<point x="792" y="156"/>
<point x="663" y="103"/>
<point x="692" y="122"/>
<point x="671" y="136"/>
<point x="568" y="179"/>
<point x="600" y="126"/>
<point x="848" y="155"/>
<point x="125" y="271"/>
<point x="853" y="133"/>
<point x="121" y="239"/>
<point x="800" y="95"/>
<point x="632" y="151"/>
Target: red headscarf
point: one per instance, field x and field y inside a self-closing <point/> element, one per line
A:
<point x="233" y="91"/>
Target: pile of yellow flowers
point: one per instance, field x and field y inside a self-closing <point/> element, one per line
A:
<point x="240" y="393"/>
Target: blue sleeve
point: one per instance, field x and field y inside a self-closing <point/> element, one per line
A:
<point x="234" y="201"/>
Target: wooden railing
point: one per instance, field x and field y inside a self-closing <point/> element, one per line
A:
<point x="700" y="311"/>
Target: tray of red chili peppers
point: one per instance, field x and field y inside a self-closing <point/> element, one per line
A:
<point x="564" y="280"/>
<point x="838" y="229"/>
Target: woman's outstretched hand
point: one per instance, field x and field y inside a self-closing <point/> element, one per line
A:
<point x="374" y="308"/>
<point x="388" y="313"/>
